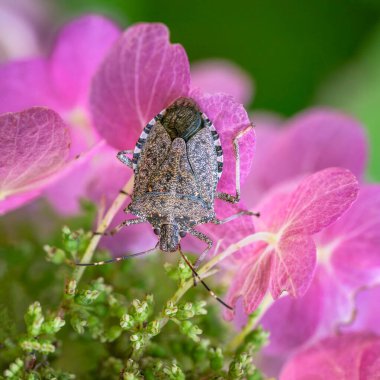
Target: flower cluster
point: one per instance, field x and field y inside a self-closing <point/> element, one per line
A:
<point x="314" y="248"/>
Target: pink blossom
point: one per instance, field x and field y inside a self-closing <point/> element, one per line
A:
<point x="348" y="260"/>
<point x="34" y="148"/>
<point x="287" y="259"/>
<point x="219" y="75"/>
<point x="346" y="357"/>
<point x="62" y="82"/>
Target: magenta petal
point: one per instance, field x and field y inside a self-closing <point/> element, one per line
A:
<point x="35" y="144"/>
<point x="293" y="265"/>
<point x="355" y="240"/>
<point x="320" y="199"/>
<point x="25" y="84"/>
<point x="214" y="76"/>
<point x="229" y="118"/>
<point x="346" y="357"/>
<point x="251" y="282"/>
<point x="293" y="321"/>
<point x="142" y="75"/>
<point x="80" y="48"/>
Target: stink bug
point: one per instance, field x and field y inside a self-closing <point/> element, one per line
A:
<point x="177" y="162"/>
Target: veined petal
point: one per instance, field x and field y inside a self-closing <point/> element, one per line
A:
<point x="143" y="74"/>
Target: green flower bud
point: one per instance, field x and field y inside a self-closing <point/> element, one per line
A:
<point x="190" y="330"/>
<point x="127" y="322"/>
<point x="153" y="328"/>
<point x="34" y="319"/>
<point x="46" y="347"/>
<point x="52" y="326"/>
<point x="87" y="297"/>
<point x="199" y="308"/>
<point x="137" y="341"/>
<point x="54" y="255"/>
<point x="78" y="324"/>
<point x="216" y="359"/>
<point x="171" y="309"/>
<point x="174" y="372"/>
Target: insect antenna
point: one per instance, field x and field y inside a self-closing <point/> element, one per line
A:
<point x="200" y="279"/>
<point x="116" y="259"/>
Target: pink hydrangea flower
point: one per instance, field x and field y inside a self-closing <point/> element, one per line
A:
<point x="286" y="259"/>
<point x="62" y="82"/>
<point x="346" y="357"/>
<point x="348" y="260"/>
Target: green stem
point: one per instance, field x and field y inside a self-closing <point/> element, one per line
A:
<point x="102" y="226"/>
<point x="207" y="271"/>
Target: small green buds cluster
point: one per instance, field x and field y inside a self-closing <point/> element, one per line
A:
<point x="180" y="272"/>
<point x="173" y="372"/>
<point x="14" y="369"/>
<point x="34" y="319"/>
<point x="131" y="371"/>
<point x="55" y="255"/>
<point x="138" y="313"/>
<point x="242" y="367"/>
<point x="191" y="330"/>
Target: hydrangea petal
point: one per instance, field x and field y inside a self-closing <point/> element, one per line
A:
<point x="219" y="75"/>
<point x="293" y="265"/>
<point x="229" y="118"/>
<point x="304" y="314"/>
<point x="24" y="84"/>
<point x="321" y="137"/>
<point x="141" y="75"/>
<point x="320" y="200"/>
<point x="352" y="243"/>
<point x="80" y="47"/>
<point x="336" y="358"/>
<point x="251" y="283"/>
<point x="35" y="145"/>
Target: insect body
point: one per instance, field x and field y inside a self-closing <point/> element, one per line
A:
<point x="177" y="162"/>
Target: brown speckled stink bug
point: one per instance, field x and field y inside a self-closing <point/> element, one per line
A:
<point x="177" y="162"/>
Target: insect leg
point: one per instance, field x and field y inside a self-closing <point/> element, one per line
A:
<point x="115" y="230"/>
<point x="207" y="240"/>
<point x="202" y="282"/>
<point x="228" y="197"/>
<point x="116" y="259"/>
<point x="234" y="216"/>
<point x="122" y="156"/>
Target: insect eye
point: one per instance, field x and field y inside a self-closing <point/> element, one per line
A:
<point x="182" y="233"/>
<point x="156" y="231"/>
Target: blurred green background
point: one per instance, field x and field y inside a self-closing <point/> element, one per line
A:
<point x="300" y="53"/>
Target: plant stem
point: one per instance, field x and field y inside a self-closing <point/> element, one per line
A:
<point x="253" y="320"/>
<point x="206" y="271"/>
<point x="102" y="226"/>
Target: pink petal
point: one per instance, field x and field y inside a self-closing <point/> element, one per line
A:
<point x="367" y="314"/>
<point x="35" y="144"/>
<point x="355" y="240"/>
<point x="142" y="75"/>
<point x="80" y="47"/>
<point x="251" y="282"/>
<point x="321" y="199"/>
<point x="347" y="357"/>
<point x="304" y="145"/>
<point x="304" y="314"/>
<point x="222" y="76"/>
<point x="260" y="177"/>
<point x="293" y="265"/>
<point x="229" y="118"/>
<point x="24" y="84"/>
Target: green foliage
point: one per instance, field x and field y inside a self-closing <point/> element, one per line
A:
<point x="115" y="322"/>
